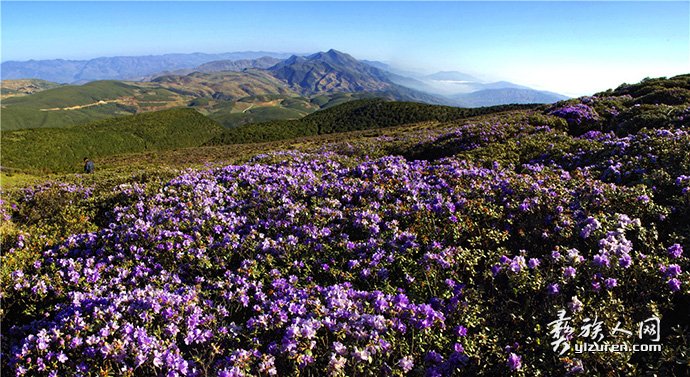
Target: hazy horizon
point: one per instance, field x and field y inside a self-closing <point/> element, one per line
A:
<point x="572" y="48"/>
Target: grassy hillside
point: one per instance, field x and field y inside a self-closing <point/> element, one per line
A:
<point x="351" y="116"/>
<point x="230" y="98"/>
<point x="71" y="105"/>
<point x="14" y="88"/>
<point x="262" y="108"/>
<point x="63" y="149"/>
<point x="225" y="85"/>
<point x="70" y="95"/>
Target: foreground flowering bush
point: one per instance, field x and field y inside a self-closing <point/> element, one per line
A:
<point x="314" y="265"/>
<point x="456" y="260"/>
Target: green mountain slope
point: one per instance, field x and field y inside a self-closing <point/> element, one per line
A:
<point x="351" y="116"/>
<point x="71" y="105"/>
<point x="209" y="93"/>
<point x="72" y="95"/>
<point x="51" y="149"/>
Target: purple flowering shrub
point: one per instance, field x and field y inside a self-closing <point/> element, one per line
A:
<point x="653" y="103"/>
<point x="55" y="205"/>
<point x="580" y="117"/>
<point x="320" y="264"/>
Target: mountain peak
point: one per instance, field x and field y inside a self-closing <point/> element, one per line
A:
<point x="333" y="56"/>
<point x="330" y="71"/>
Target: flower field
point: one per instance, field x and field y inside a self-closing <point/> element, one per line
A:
<point x="428" y="253"/>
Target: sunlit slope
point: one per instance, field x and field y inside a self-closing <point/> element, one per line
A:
<point x="62" y="149"/>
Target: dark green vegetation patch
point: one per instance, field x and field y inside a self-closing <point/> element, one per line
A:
<point x="63" y="149"/>
<point x="353" y="116"/>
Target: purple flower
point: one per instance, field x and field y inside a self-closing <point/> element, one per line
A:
<point x="336" y="364"/>
<point x="533" y="263"/>
<point x="339" y="348"/>
<point x="517" y="264"/>
<point x="673" y="270"/>
<point x="553" y="289"/>
<point x="674" y="284"/>
<point x="461" y="330"/>
<point x="675" y="251"/>
<point x="362" y="355"/>
<point x="610" y="283"/>
<point x="625" y="261"/>
<point x="569" y="272"/>
<point x="434" y="357"/>
<point x="601" y="260"/>
<point x="514" y="361"/>
<point x="406" y="363"/>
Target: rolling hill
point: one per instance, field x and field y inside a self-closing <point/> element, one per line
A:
<point x="352" y="116"/>
<point x="71" y="105"/>
<point x="415" y="238"/>
<point x="62" y="149"/>
<point x="15" y="88"/>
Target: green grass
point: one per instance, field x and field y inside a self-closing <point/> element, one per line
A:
<point x="21" y="117"/>
<point x="62" y="149"/>
<point x="10" y="180"/>
<point x="299" y="104"/>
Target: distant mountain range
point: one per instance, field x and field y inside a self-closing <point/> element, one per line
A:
<point x="118" y="67"/>
<point x="504" y="96"/>
<point x="232" y="88"/>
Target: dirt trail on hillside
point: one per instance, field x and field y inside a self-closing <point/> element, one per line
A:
<point x="124" y="101"/>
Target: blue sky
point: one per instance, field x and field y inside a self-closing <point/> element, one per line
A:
<point x="574" y="48"/>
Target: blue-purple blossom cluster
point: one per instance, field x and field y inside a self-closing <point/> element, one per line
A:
<point x="576" y="114"/>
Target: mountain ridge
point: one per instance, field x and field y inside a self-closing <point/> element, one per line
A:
<point x="117" y="67"/>
<point x="335" y="71"/>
